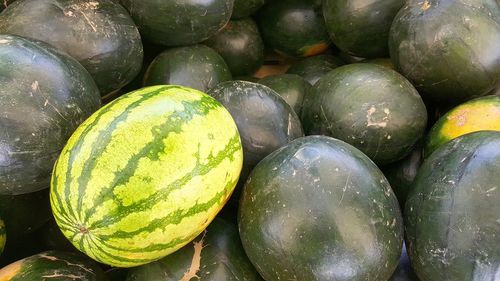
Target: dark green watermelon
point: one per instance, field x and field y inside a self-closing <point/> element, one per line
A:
<point x="265" y="121"/>
<point x="291" y="87"/>
<point x="178" y="23"/>
<point x="313" y="68"/>
<point x="452" y="212"/>
<point x="44" y="95"/>
<point x="369" y="106"/>
<point x="53" y="265"/>
<point x="101" y="35"/>
<point x="448" y="48"/>
<point x="240" y="45"/>
<point x="402" y="173"/>
<point x="293" y="27"/>
<point x="245" y="8"/>
<point x="25" y="213"/>
<point x="19" y="247"/>
<point x="318" y="210"/>
<point x="361" y="28"/>
<point x="216" y="254"/>
<point x="197" y="66"/>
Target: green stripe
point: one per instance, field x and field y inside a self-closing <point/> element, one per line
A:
<point x="173" y="124"/>
<point x="100" y="144"/>
<point x="145" y="204"/>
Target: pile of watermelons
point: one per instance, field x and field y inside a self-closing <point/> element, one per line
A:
<point x="147" y="140"/>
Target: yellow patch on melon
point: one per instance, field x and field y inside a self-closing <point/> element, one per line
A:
<point x="10" y="271"/>
<point x="470" y="118"/>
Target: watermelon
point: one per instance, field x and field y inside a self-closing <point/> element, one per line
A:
<point x="313" y="68"/>
<point x="369" y="106"/>
<point x="25" y="213"/>
<point x="197" y="66"/>
<point x="240" y="45"/>
<point x="402" y="173"/>
<point x="319" y="209"/>
<point x="3" y="235"/>
<point x="361" y="28"/>
<point x="101" y="35"/>
<point x="476" y="115"/>
<point x="448" y="48"/>
<point x="44" y="96"/>
<point x="216" y="254"/>
<point x="264" y="119"/>
<point x="293" y="27"/>
<point x="53" y="265"/>
<point x="245" y="8"/>
<point x="291" y="87"/>
<point x="179" y="23"/>
<point x="451" y="215"/>
<point x="107" y="194"/>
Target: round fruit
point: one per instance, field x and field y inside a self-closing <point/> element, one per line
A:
<point x="245" y="8"/>
<point x="452" y="211"/>
<point x="99" y="34"/>
<point x="264" y="119"/>
<point x="319" y="209"/>
<point x="53" y="265"/>
<point x="3" y="235"/>
<point x="178" y="23"/>
<point x="481" y="114"/>
<point x="293" y="27"/>
<point x="369" y="106"/>
<point x="216" y="254"/>
<point x="313" y="68"/>
<point x="448" y="48"/>
<point x="361" y="28"/>
<point x="291" y="87"/>
<point x="44" y="95"/>
<point x="146" y="174"/>
<point x="240" y="45"/>
<point x="198" y="67"/>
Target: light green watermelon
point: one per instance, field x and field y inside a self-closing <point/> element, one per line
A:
<point x="146" y="174"/>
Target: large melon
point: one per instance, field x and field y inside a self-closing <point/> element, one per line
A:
<point x="53" y="265"/>
<point x="44" y="96"/>
<point x="101" y="35"/>
<point x="146" y="174"/>
<point x="448" y="48"/>
<point x="481" y="114"/>
<point x="313" y="68"/>
<point x="319" y="210"/>
<point x="452" y="212"/>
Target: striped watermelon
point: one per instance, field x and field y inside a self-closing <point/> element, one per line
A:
<point x="146" y="174"/>
<point x="3" y="236"/>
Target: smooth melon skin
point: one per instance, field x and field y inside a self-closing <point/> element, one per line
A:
<point x="318" y="209"/>
<point x="3" y="236"/>
<point x="369" y="106"/>
<point x="44" y="96"/>
<point x="294" y="27"/>
<point x="53" y="265"/>
<point x="216" y="254"/>
<point x="240" y="45"/>
<point x="179" y="23"/>
<point x="452" y="211"/>
<point x="481" y="114"/>
<point x="245" y="8"/>
<point x="313" y="68"/>
<point x="146" y="174"/>
<point x="361" y="28"/>
<point x="291" y="87"/>
<point x="198" y="67"/>
<point x="101" y="35"/>
<point x="448" y="49"/>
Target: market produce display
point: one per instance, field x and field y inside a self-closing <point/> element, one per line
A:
<point x="250" y="140"/>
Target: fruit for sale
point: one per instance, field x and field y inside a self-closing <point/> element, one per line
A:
<point x="146" y="174"/>
<point x="313" y="68"/>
